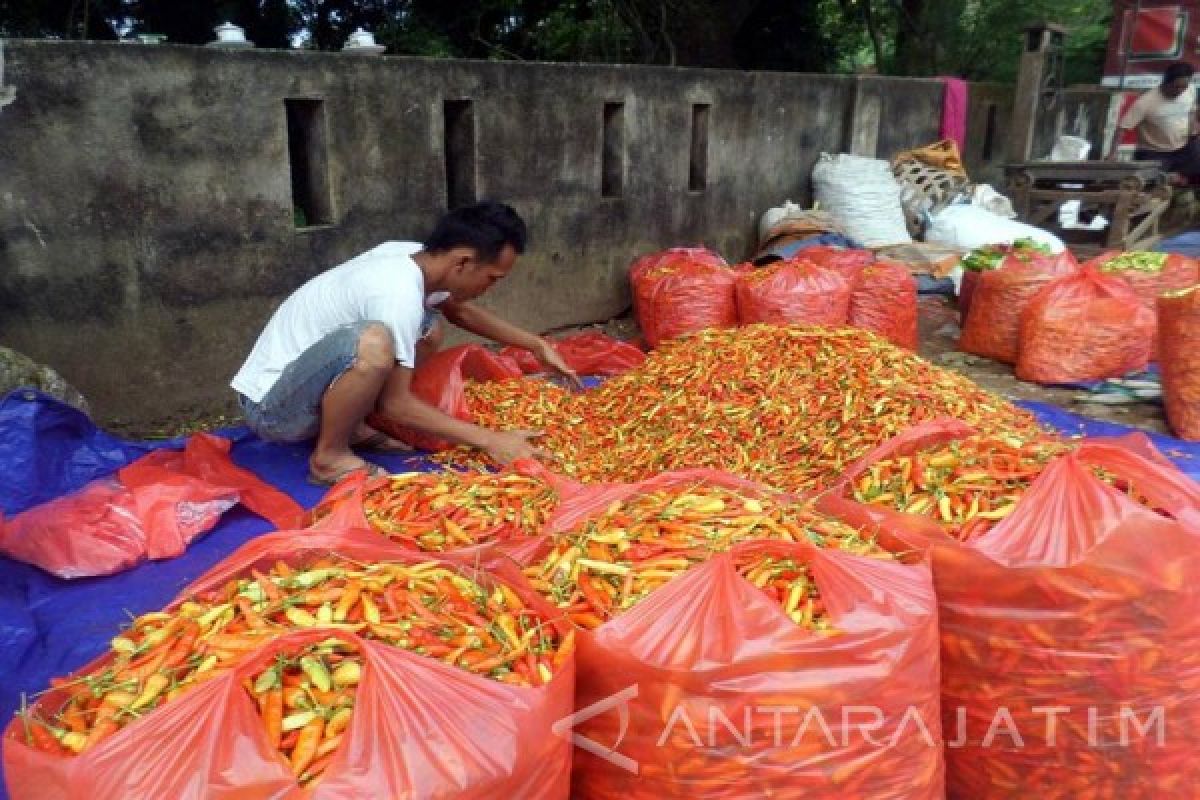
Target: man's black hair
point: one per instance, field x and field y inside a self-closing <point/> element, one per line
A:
<point x="487" y="227"/>
<point x="1179" y="69"/>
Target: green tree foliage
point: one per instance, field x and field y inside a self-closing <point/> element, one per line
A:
<point x="976" y="39"/>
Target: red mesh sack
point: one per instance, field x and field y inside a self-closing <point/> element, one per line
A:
<point x="1079" y="606"/>
<point x="707" y="689"/>
<point x="153" y="509"/>
<point x="1179" y="348"/>
<point x="1085" y="326"/>
<point x="993" y="326"/>
<point x="681" y="291"/>
<point x="589" y="353"/>
<point x="439" y="381"/>
<point x="792" y="292"/>
<point x="420" y="728"/>
<point x="885" y="301"/>
<point x="847" y="262"/>
<point x="1159" y="272"/>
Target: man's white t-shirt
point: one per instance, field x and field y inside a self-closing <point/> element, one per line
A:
<point x="383" y="284"/>
<point x="1162" y="124"/>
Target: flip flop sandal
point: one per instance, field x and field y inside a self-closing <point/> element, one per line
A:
<point x="372" y="470"/>
<point x="381" y="444"/>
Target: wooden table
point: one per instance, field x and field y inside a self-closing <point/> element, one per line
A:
<point x="1132" y="195"/>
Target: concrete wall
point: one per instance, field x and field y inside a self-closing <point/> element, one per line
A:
<point x="146" y="214"/>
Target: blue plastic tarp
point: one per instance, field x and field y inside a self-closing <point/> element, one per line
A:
<point x="50" y="627"/>
<point x="1185" y="244"/>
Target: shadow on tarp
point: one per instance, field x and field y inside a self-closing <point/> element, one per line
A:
<point x="50" y="626"/>
<point x="1185" y="455"/>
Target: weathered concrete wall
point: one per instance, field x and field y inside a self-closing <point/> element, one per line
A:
<point x="146" y="217"/>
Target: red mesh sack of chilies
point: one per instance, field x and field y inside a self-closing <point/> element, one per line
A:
<point x="1070" y="628"/>
<point x="993" y="326"/>
<point x="1083" y="327"/>
<point x="419" y="727"/>
<point x="792" y="292"/>
<point x="440" y="382"/>
<point x="589" y="353"/>
<point x="847" y="262"/>
<point x="1148" y="274"/>
<point x="713" y="686"/>
<point x="885" y="302"/>
<point x="1179" y="347"/>
<point x="680" y="291"/>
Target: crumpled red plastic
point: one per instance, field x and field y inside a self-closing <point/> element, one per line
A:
<point x="1082" y="327"/>
<point x="792" y="292"/>
<point x="680" y="291"/>
<point x="1080" y="599"/>
<point x="588" y="353"/>
<point x="993" y="325"/>
<point x="440" y="381"/>
<point x="421" y="728"/>
<point x="885" y="301"/>
<point x="152" y="508"/>
<point x="1179" y="350"/>
<point x="710" y="647"/>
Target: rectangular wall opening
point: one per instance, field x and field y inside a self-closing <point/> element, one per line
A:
<point x="459" y="152"/>
<point x="989" y="132"/>
<point x="308" y="158"/>
<point x="698" y="161"/>
<point x="612" y="166"/>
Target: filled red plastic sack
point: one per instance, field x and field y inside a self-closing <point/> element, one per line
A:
<point x="1177" y="272"/>
<point x="681" y="291"/>
<point x="1069" y="630"/>
<point x="885" y="302"/>
<point x="589" y="353"/>
<point x="706" y="689"/>
<point x="439" y="381"/>
<point x="792" y="292"/>
<point x="847" y="262"/>
<point x="420" y="729"/>
<point x="1085" y="326"/>
<point x="152" y="508"/>
<point x="993" y="325"/>
<point x="1179" y="360"/>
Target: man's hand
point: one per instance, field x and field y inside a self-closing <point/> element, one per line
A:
<point x="552" y="361"/>
<point x="506" y="447"/>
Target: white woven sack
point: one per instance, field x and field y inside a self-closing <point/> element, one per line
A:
<point x="968" y="227"/>
<point x="863" y="195"/>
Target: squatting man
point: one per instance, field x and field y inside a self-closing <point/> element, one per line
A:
<point x="346" y="342"/>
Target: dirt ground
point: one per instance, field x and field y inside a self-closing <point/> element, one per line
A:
<point x="939" y="332"/>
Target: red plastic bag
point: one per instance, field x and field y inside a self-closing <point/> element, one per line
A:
<point x="420" y="728"/>
<point x="847" y="262"/>
<point x="154" y="508"/>
<point x="1179" y="349"/>
<point x="589" y="353"/>
<point x="681" y="291"/>
<point x="724" y="697"/>
<point x="1177" y="272"/>
<point x="440" y="381"/>
<point x="1085" y="326"/>
<point x="792" y="292"/>
<point x="1000" y="298"/>
<point x="1081" y="605"/>
<point x="886" y="302"/>
<point x="699" y="678"/>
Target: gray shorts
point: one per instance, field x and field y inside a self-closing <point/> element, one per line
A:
<point x="291" y="409"/>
